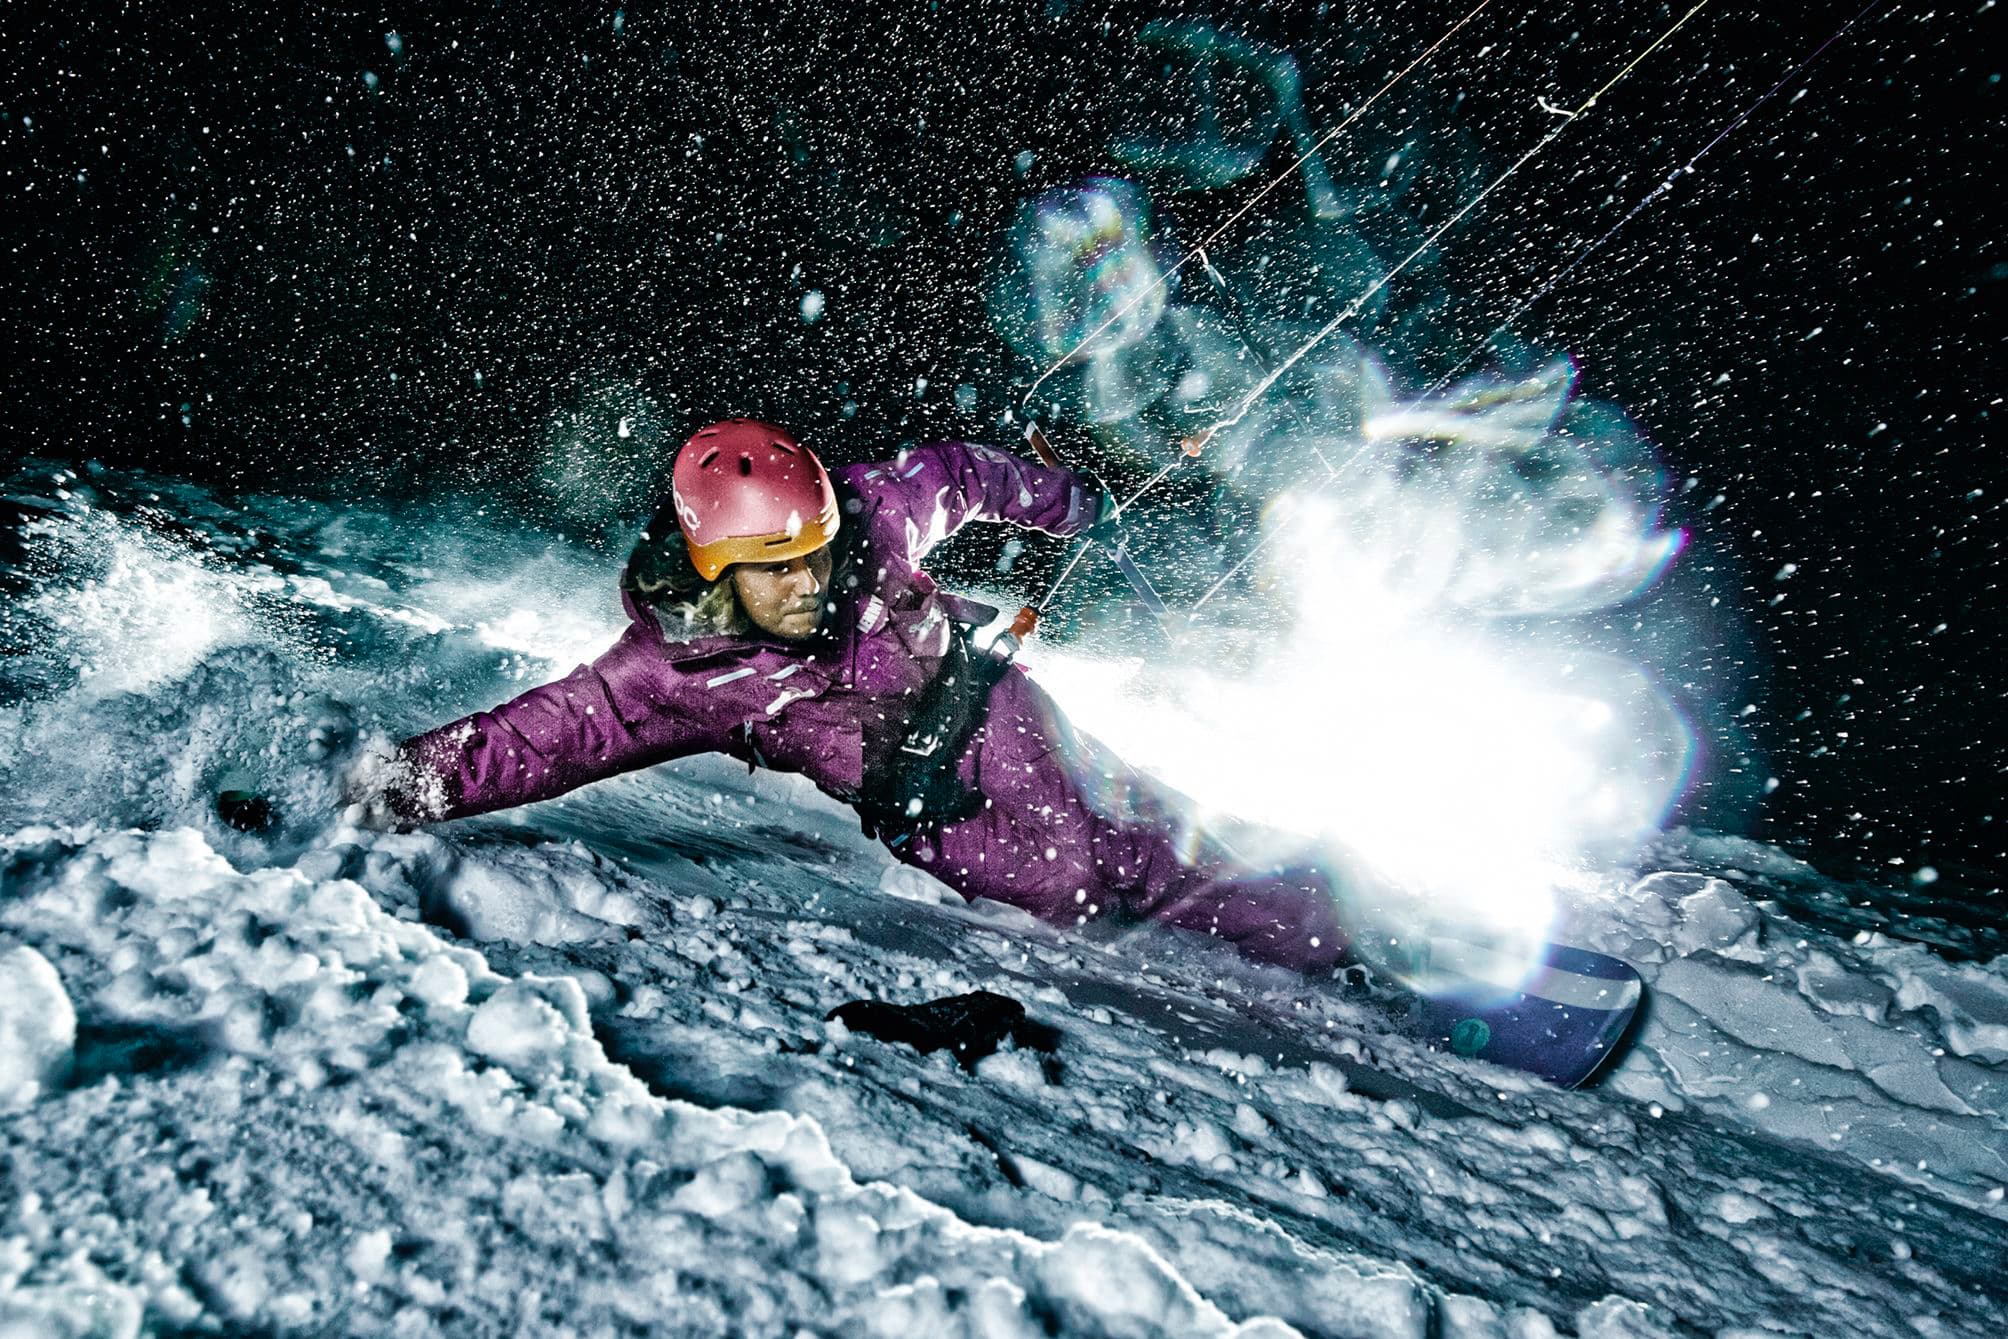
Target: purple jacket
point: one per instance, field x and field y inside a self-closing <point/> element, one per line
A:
<point x="830" y="708"/>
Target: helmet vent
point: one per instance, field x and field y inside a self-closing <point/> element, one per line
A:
<point x="780" y="445"/>
<point x="709" y="456"/>
<point x="746" y="464"/>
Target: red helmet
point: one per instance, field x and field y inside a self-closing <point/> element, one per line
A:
<point x="748" y="492"/>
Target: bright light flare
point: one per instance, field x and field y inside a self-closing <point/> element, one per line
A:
<point x="1434" y="758"/>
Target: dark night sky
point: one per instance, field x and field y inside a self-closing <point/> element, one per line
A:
<point x="316" y="241"/>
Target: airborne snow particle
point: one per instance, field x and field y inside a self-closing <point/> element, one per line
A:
<point x="812" y="306"/>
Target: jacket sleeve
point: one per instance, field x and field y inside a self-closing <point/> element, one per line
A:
<point x="616" y="715"/>
<point x="941" y="486"/>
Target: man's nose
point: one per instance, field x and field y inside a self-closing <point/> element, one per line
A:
<point x="805" y="577"/>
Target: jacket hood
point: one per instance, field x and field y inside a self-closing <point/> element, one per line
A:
<point x="639" y="614"/>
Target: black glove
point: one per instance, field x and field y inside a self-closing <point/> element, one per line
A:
<point x="974" y="1024"/>
<point x="1107" y="527"/>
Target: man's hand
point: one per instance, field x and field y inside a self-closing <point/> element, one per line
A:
<point x="368" y="785"/>
<point x="1107" y="527"/>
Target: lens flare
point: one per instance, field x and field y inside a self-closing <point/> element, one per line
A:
<point x="1453" y="773"/>
<point x="1072" y="259"/>
<point x="1501" y="498"/>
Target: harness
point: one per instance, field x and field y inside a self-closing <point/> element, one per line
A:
<point x="917" y="788"/>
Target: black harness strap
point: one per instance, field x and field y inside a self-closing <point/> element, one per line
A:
<point x="917" y="788"/>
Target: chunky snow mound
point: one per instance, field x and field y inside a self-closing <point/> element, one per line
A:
<point x="37" y="1028"/>
<point x="1883" y="1051"/>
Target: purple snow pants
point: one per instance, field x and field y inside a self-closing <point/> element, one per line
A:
<point x="1073" y="835"/>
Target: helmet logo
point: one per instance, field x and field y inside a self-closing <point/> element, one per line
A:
<point x="685" y="512"/>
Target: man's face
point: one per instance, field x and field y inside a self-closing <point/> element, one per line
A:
<point x="785" y="598"/>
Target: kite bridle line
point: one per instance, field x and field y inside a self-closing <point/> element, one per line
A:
<point x="1585" y="252"/>
<point x="1199" y="249"/>
<point x="1582" y="253"/>
<point x="1192" y="446"/>
<point x="1028" y="616"/>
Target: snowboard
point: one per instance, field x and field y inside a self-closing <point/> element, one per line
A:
<point x="1562" y="1021"/>
<point x="1567" y="1019"/>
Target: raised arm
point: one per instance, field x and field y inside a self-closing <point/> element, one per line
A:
<point x="612" y="716"/>
<point x="942" y="485"/>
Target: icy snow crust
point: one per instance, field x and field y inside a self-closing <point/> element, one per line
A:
<point x="567" y="1070"/>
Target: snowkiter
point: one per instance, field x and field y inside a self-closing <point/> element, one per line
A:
<point x="778" y="614"/>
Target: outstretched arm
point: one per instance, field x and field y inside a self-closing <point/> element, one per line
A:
<point x="943" y="485"/>
<point x="600" y="720"/>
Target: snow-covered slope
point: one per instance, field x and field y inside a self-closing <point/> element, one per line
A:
<point x="568" y="1070"/>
